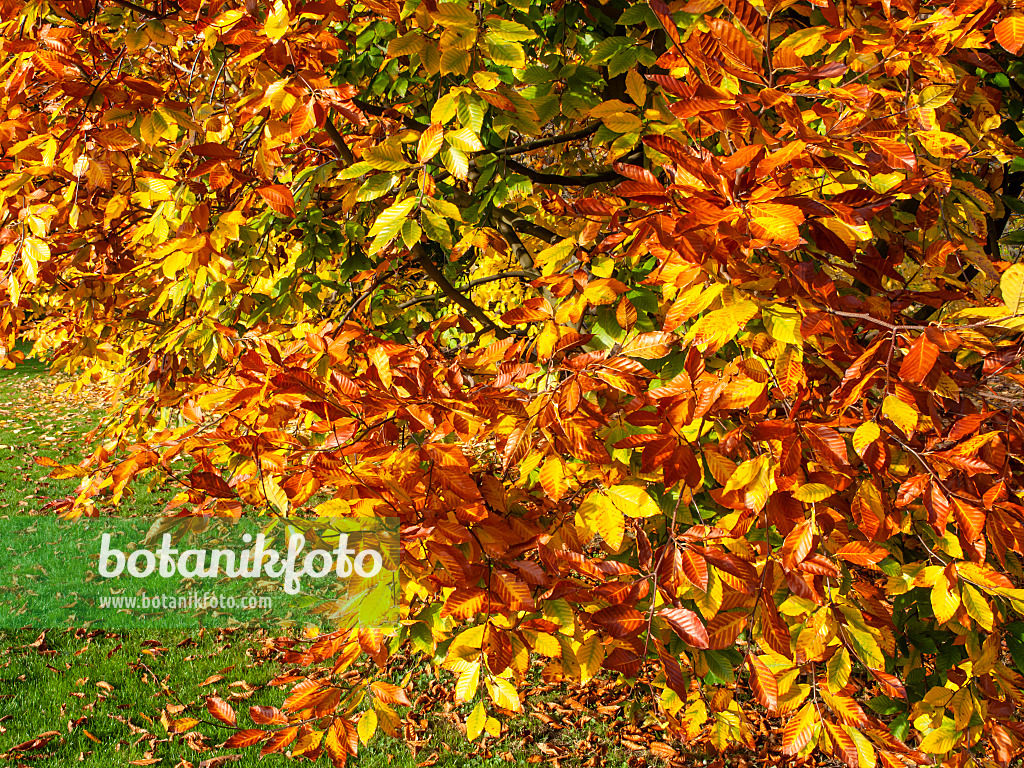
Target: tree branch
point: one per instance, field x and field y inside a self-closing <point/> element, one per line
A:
<point x="524" y="227"/>
<point x="373" y="109"/>
<point x="339" y="141"/>
<point x="541" y="143"/>
<point x="144" y="11"/>
<point x="470" y="284"/>
<point x="449" y="290"/>
<point x="565" y="181"/>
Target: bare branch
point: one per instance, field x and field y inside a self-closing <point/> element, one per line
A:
<point x="542" y="143"/>
<point x="449" y="290"/>
<point x="470" y="284"/>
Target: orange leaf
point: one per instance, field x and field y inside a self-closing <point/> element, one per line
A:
<point x="390" y="694"/>
<point x="221" y="710"/>
<point x="862" y="553"/>
<point x="797" y="545"/>
<point x="267" y="716"/>
<point x="245" y="738"/>
<point x="1010" y="33"/>
<point x="280" y="740"/>
<point x="919" y="360"/>
<point x="763" y="682"/>
<point x="279" y="197"/>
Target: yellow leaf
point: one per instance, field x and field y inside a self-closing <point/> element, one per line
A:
<point x="475" y="721"/>
<point x="469" y="680"/>
<point x="590" y="656"/>
<point x="552" y="478"/>
<point x="945" y="600"/>
<point x="503" y="52"/>
<point x="977" y="606"/>
<point x="633" y="501"/>
<point x="636" y="87"/>
<point x="900" y="414"/>
<point x="486" y="80"/>
<point x="746" y="473"/>
<point x="455" y="15"/>
<point x="175" y="261"/>
<point x="962" y="707"/>
<point x="493" y="727"/>
<point x="622" y="122"/>
<point x="1012" y="286"/>
<point x="455" y="61"/>
<point x="430" y="142"/>
<point x="603" y="518"/>
<point x="408" y="44"/>
<point x="864" y="435"/>
<point x="277" y="22"/>
<point x="504" y="694"/>
<point x="455" y="162"/>
<point x="464" y="139"/>
<point x="782" y="323"/>
<point x="812" y="492"/>
<point x="941" y="740"/>
<point x="367" y="725"/>
<point x="942" y="144"/>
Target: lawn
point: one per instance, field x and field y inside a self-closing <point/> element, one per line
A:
<point x="95" y="698"/>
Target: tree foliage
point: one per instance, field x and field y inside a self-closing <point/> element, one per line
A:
<point x="678" y="336"/>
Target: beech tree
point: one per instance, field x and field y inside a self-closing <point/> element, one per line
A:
<point x="682" y="338"/>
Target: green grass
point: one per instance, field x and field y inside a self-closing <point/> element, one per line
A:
<point x="111" y="687"/>
<point x="103" y="692"/>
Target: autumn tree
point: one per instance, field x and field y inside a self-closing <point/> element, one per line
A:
<point x="679" y="336"/>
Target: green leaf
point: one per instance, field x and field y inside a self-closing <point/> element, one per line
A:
<point x="1015" y="204"/>
<point x="355" y="170"/>
<point x="1013" y="238"/>
<point x="455" y="61"/>
<point x="376" y="186"/>
<point x="456" y="162"/>
<point x="941" y="740"/>
<point x="411" y="233"/>
<point x="436" y="228"/>
<point x="444" y="208"/>
<point x="471" y="112"/>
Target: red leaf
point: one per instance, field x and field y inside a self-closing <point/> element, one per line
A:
<point x="211" y="484"/>
<point x="687" y="625"/>
<point x="1010" y="33"/>
<point x="828" y="443"/>
<point x="862" y="553"/>
<point x="619" y="621"/>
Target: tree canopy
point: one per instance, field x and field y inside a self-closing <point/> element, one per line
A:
<point x="682" y="338"/>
